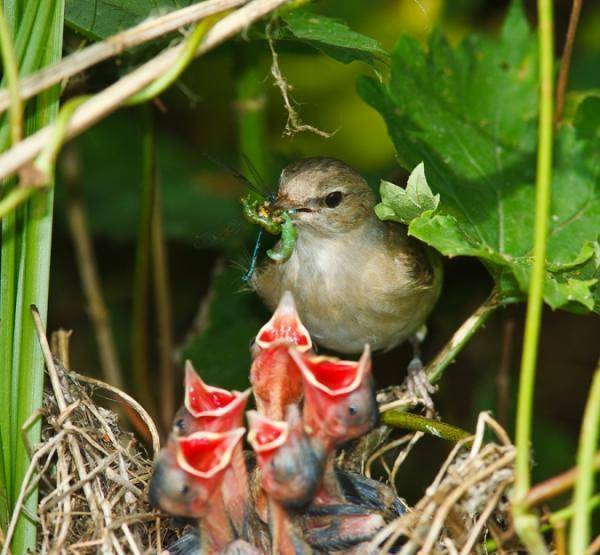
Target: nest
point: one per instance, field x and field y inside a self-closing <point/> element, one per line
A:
<point x="92" y="475"/>
<point x="93" y="479"/>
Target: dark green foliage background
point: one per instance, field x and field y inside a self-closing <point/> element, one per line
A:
<point x="466" y="108"/>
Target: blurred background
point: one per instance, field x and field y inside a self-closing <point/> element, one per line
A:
<point x="184" y="295"/>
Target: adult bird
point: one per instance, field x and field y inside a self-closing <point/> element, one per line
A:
<point x="355" y="279"/>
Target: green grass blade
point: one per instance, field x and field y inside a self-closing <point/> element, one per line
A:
<point x="584" y="487"/>
<point x="34" y="236"/>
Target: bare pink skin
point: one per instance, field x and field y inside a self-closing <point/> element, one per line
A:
<point x="290" y="471"/>
<point x="339" y="406"/>
<point x="340" y="402"/>
<point x="274" y="376"/>
<point x="187" y="480"/>
<point x="213" y="409"/>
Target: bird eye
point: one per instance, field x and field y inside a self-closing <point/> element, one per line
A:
<point x="179" y="425"/>
<point x="333" y="199"/>
<point x="352" y="410"/>
<point x="185" y="489"/>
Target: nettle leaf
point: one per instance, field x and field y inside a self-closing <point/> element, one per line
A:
<point x="331" y="37"/>
<point x="404" y="205"/>
<point x="470" y="114"/>
<point x="99" y="19"/>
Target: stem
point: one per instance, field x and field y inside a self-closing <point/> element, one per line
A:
<point x="35" y="239"/>
<point x="45" y="163"/>
<point x="565" y="62"/>
<point x="11" y="72"/>
<point x="116" y="95"/>
<point x="187" y="54"/>
<point x="164" y="314"/>
<point x="435" y="369"/>
<point x="250" y="108"/>
<point x="584" y="487"/>
<point x="555" y="519"/>
<point x="504" y="371"/>
<point x="526" y="524"/>
<point x="555" y="486"/>
<point x="146" y="31"/>
<point x="141" y="278"/>
<point x="88" y="272"/>
<point x="409" y="421"/>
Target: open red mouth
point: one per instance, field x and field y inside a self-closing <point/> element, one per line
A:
<point x="284" y="327"/>
<point x="205" y="401"/>
<point x="206" y="454"/>
<point x="331" y="375"/>
<point x="266" y="435"/>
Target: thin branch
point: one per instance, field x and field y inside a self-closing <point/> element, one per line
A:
<point x="164" y="317"/>
<point x="88" y="272"/>
<point x="111" y="98"/>
<point x="293" y="124"/>
<point x="461" y="337"/>
<point x="565" y="62"/>
<point x="555" y="486"/>
<point x="409" y="421"/>
<point x="113" y="46"/>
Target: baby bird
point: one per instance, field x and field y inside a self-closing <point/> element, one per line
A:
<point x="355" y="279"/>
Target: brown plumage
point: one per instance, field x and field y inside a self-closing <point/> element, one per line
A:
<point x="355" y="279"/>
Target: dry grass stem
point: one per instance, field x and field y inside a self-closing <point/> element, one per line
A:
<point x="293" y="124"/>
<point x="114" y="96"/>
<point x="113" y="46"/>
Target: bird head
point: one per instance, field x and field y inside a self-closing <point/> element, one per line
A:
<point x="340" y="402"/>
<point x="208" y="408"/>
<point x="291" y="467"/>
<point x="324" y="195"/>
<point x="188" y="471"/>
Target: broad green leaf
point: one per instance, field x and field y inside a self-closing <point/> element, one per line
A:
<point x="99" y="19"/>
<point x="470" y="114"/>
<point x="331" y="37"/>
<point x="404" y="205"/>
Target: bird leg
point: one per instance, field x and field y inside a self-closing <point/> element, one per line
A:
<point x="417" y="382"/>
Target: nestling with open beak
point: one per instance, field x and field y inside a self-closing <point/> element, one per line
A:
<point x="355" y="279"/>
<point x="275" y="380"/>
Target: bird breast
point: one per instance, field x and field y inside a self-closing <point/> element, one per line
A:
<point x="350" y="289"/>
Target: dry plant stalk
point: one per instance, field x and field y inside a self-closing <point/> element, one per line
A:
<point x="92" y="476"/>
<point x="110" y="99"/>
<point x="467" y="493"/>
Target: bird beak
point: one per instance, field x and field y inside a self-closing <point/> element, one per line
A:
<point x="285" y="204"/>
<point x="207" y="454"/>
<point x="214" y="409"/>
<point x="285" y="326"/>
<point x="330" y="375"/>
<point x="266" y="435"/>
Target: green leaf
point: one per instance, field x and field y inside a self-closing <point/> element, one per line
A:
<point x="404" y="205"/>
<point x="331" y="37"/>
<point x="470" y="114"/>
<point x="99" y="19"/>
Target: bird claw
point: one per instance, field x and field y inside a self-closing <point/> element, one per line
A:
<point x="418" y="385"/>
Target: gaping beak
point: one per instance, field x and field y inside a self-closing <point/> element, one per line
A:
<point x="285" y="326"/>
<point x="208" y="402"/>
